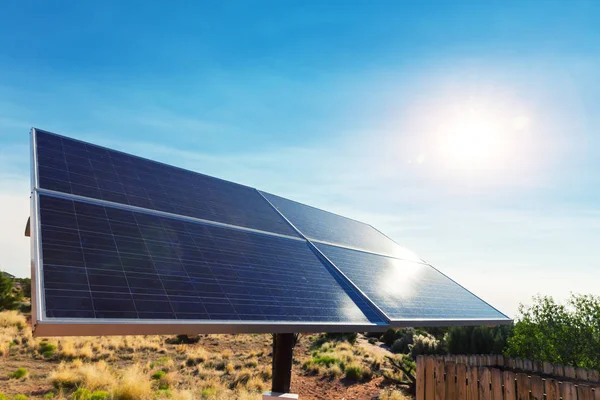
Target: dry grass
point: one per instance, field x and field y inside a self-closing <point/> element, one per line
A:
<point x="215" y="368"/>
<point x="133" y="384"/>
<point x="77" y="374"/>
<point x="393" y="395"/>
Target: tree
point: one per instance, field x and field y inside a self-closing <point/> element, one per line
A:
<point x="10" y="299"/>
<point x="562" y="334"/>
<point x="477" y="339"/>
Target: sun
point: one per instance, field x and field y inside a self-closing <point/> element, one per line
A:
<point x="477" y="139"/>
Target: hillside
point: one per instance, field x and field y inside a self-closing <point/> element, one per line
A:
<point x="165" y="367"/>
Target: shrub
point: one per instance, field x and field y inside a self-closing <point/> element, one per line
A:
<point x="158" y="375"/>
<point x="3" y="396"/>
<point x="326" y="360"/>
<point x="354" y="372"/>
<point x="424" y="345"/>
<point x="81" y="394"/>
<point x="49" y="395"/>
<point x="389" y="337"/>
<point x="20" y="397"/>
<point x="18" y="374"/>
<point x="47" y="349"/>
<point x="334" y="371"/>
<point x="401" y="345"/>
<point x="372" y="340"/>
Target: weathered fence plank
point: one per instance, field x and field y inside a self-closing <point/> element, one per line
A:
<point x="522" y="387"/>
<point x="450" y="388"/>
<point x="569" y="372"/>
<point x="558" y="370"/>
<point x="496" y="384"/>
<point x="429" y="378"/>
<point x="581" y="374"/>
<point x="420" y="378"/>
<point x="567" y="391"/>
<point x="552" y="390"/>
<point x="440" y="393"/>
<point x="537" y="388"/>
<point x="461" y="381"/>
<point x="547" y="368"/>
<point x="584" y="393"/>
<point x="509" y="385"/>
<point x="484" y="384"/>
<point x="473" y="387"/>
<point x="527" y="365"/>
<point x="593" y="376"/>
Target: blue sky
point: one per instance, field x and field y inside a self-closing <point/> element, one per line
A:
<point x="342" y="105"/>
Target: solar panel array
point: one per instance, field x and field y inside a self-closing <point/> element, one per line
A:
<point x="123" y="240"/>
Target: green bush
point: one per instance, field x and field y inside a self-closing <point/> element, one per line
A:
<point x="47" y="349"/>
<point x="10" y="299"/>
<point x="81" y="394"/>
<point x="566" y="334"/>
<point x="100" y="395"/>
<point x="158" y="374"/>
<point x="49" y="395"/>
<point x="3" y="396"/>
<point x="372" y="340"/>
<point x="389" y="337"/>
<point x="354" y="372"/>
<point x="402" y="344"/>
<point x="20" y="397"/>
<point x="19" y="373"/>
<point x="424" y="345"/>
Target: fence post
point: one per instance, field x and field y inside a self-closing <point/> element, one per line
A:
<point x="509" y="385"/>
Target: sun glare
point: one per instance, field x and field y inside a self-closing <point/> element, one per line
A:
<point x="475" y="139"/>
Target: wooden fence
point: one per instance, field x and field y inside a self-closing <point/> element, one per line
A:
<point x="502" y="378"/>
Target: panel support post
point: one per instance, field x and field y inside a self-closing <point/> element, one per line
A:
<point x="283" y="351"/>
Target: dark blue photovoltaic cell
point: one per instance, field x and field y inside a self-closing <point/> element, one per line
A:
<point x="406" y="290"/>
<point x="104" y="262"/>
<point x="71" y="166"/>
<point x="324" y="226"/>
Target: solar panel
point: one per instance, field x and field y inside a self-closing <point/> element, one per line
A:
<point x="326" y="227"/>
<point x="107" y="263"/>
<point x="70" y="166"/>
<point x="125" y="245"/>
<point x="409" y="292"/>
